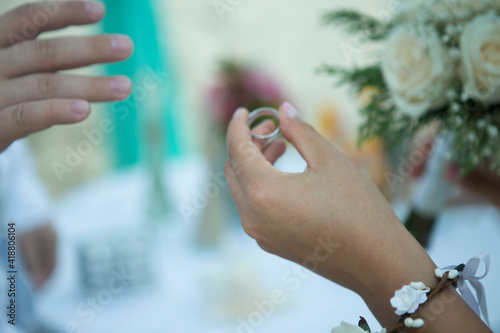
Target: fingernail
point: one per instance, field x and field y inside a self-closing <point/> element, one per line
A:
<point x="453" y="173"/>
<point x="121" y="87"/>
<point x="290" y="111"/>
<point x="94" y="10"/>
<point x="80" y="107"/>
<point x="239" y="110"/>
<point x="122" y="45"/>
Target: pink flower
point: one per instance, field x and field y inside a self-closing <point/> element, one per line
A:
<point x="242" y="88"/>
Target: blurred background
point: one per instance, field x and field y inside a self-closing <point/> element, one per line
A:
<point x="182" y="45"/>
<point x="148" y="237"/>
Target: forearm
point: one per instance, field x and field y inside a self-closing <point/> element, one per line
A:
<point x="397" y="259"/>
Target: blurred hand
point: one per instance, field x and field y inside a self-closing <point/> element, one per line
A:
<point x="33" y="94"/>
<point x="482" y="182"/>
<point x="38" y="248"/>
<point x="330" y="219"/>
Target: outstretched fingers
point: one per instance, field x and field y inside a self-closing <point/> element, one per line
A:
<point x="51" y="55"/>
<point x="46" y="86"/>
<point x="19" y="120"/>
<point x="28" y="21"/>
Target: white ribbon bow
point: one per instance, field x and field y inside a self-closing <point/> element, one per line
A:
<point x="469" y="274"/>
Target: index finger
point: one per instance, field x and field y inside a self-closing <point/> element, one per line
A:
<point x="30" y="20"/>
<point x="242" y="151"/>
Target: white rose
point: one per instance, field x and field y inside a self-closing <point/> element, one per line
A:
<point x="408" y="299"/>
<point x="417" y="68"/>
<point x="442" y="10"/>
<point x="445" y="10"/>
<point x="480" y="69"/>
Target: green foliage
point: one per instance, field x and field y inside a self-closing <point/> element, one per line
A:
<point x="386" y="124"/>
<point x="357" y="78"/>
<point x="364" y="325"/>
<point x="357" y="23"/>
<point x="476" y="140"/>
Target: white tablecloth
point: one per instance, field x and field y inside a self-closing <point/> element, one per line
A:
<point x="190" y="289"/>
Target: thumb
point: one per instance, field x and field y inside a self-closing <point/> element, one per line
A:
<point x="310" y="144"/>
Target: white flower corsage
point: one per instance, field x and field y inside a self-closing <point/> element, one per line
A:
<point x="409" y="298"/>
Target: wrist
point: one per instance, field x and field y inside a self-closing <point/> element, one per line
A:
<point x="402" y="261"/>
<point x="443" y="311"/>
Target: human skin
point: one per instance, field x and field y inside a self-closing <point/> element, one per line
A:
<point x="38" y="248"/>
<point x="34" y="95"/>
<point x="290" y="214"/>
<point x="483" y="182"/>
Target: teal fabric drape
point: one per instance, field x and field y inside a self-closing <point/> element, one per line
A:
<point x="138" y="19"/>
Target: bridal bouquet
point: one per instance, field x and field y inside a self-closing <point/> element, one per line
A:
<point x="440" y="62"/>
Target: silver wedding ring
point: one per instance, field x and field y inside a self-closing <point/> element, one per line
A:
<point x="269" y="113"/>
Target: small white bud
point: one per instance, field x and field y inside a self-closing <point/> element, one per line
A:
<point x="493" y="131"/>
<point x="417" y="323"/>
<point x="438" y="273"/>
<point x="481" y="123"/>
<point x="409" y="322"/>
<point x="418" y="285"/>
<point x="451" y="94"/>
<point x="455" y="53"/>
<point x="452" y="274"/>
